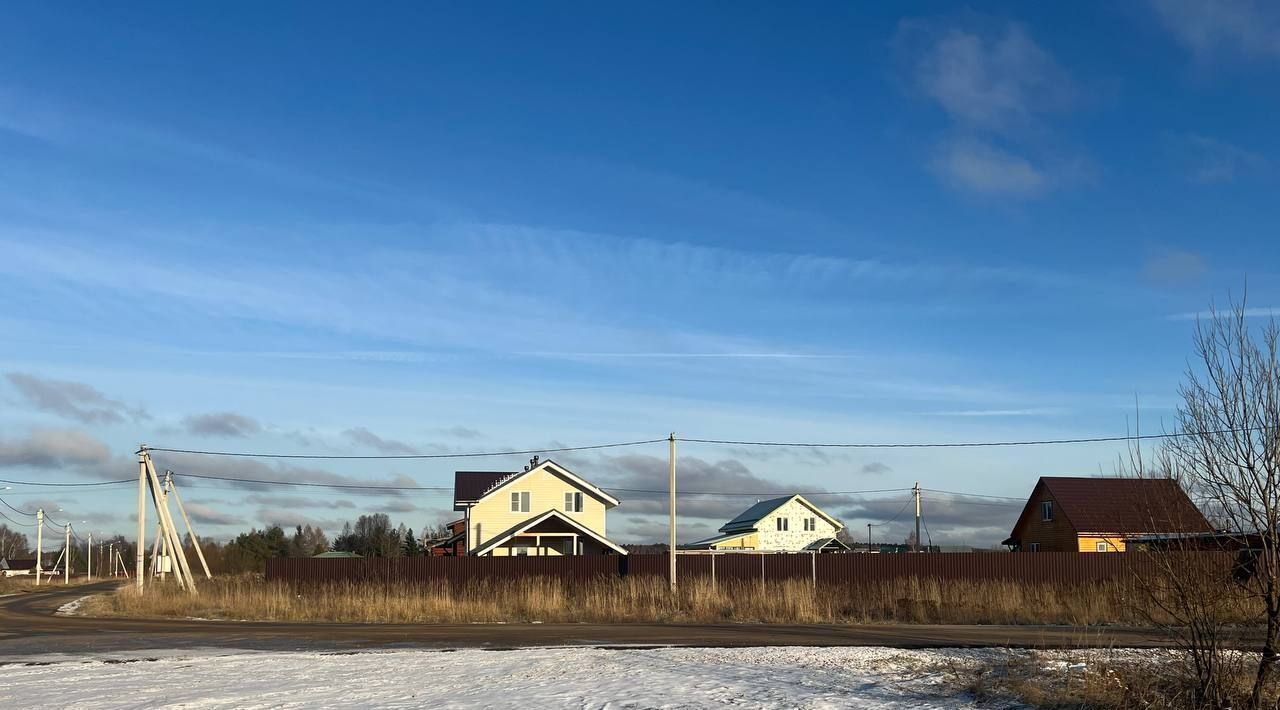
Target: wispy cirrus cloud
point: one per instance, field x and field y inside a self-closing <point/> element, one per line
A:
<point x="1207" y="160"/>
<point x="1252" y="312"/>
<point x="1240" y="27"/>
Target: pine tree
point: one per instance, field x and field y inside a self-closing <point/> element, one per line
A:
<point x="411" y="547"/>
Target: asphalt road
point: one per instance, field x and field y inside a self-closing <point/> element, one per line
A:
<point x="28" y="626"/>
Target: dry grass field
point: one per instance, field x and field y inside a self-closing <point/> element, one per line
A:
<point x="645" y="599"/>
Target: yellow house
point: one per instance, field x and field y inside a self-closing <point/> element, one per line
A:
<point x="785" y="524"/>
<point x="546" y="509"/>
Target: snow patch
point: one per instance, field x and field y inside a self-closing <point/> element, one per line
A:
<point x="767" y="678"/>
<point x="71" y="608"/>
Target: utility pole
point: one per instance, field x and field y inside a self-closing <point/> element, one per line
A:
<point x="142" y="515"/>
<point x="868" y="538"/>
<point x="39" y="542"/>
<point x="89" y="554"/>
<point x="671" y="484"/>
<point x="111" y="560"/>
<point x="916" y="492"/>
<point x="66" y="552"/>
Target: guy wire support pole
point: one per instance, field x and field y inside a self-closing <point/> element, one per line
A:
<point x="141" y="547"/>
<point x="671" y="483"/>
<point x="916" y="492"/>
<point x="186" y="579"/>
<point x="39" y="542"/>
<point x="66" y="551"/>
<point x="88" y="549"/>
<point x="195" y="541"/>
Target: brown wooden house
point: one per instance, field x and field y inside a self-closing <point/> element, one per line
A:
<point x="1075" y="514"/>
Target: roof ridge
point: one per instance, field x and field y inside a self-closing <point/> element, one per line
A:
<point x="498" y="483"/>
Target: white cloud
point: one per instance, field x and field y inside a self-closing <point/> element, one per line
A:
<point x="1244" y="27"/>
<point x="983" y="168"/>
<point x="996" y="87"/>
<point x="1208" y="160"/>
<point x="1174" y="268"/>
<point x="992" y="82"/>
<point x="1247" y="312"/>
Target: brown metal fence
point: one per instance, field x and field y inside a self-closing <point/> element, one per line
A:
<point x="1039" y="567"/>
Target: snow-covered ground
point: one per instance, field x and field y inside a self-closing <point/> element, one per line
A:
<point x="529" y="678"/>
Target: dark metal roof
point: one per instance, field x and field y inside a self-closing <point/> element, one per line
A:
<point x="748" y="518"/>
<point x="826" y="543"/>
<point x="17" y="565"/>
<point x="469" y="486"/>
<point x="1118" y="505"/>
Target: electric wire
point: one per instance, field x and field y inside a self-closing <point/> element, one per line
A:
<point x="20" y="512"/>
<point x="467" y="455"/>
<point x="16" y="522"/>
<point x="972" y="444"/>
<point x="972" y="495"/>
<point x="68" y="484"/>
<point x="895" y="515"/>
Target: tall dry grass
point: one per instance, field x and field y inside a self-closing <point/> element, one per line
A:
<point x="644" y="599"/>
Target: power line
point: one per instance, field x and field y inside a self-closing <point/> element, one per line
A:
<point x="972" y="444"/>
<point x="68" y="484"/>
<point x="973" y="495"/>
<point x="20" y="512"/>
<point x="810" y="494"/>
<point x="895" y="515"/>
<point x="473" y="454"/>
<point x="264" y="482"/>
<point x="21" y="525"/>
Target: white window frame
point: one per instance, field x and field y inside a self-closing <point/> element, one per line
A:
<point x="573" y="502"/>
<point x="810" y="524"/>
<point x="1034" y="547"/>
<point x="782" y="524"/>
<point x="1101" y="546"/>
<point x="520" y="501"/>
<point x="1046" y="511"/>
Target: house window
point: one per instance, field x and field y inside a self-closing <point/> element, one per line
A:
<point x="782" y="524"/>
<point x="522" y="552"/>
<point x="1046" y="510"/>
<point x="573" y="502"/>
<point x="519" y="501"/>
<point x="1034" y="547"/>
<point x="1100" y="547"/>
<point x="810" y="524"/>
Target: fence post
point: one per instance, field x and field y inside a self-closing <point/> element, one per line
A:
<point x="713" y="570"/>
<point x="813" y="560"/>
<point x="762" y="570"/>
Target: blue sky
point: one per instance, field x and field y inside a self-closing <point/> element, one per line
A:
<point x="439" y="228"/>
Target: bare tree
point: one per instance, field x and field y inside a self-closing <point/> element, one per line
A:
<point x="1228" y="428"/>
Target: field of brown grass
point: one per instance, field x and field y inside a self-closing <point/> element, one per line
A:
<point x="645" y="599"/>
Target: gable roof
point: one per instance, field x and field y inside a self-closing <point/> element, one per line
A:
<point x="1118" y="505"/>
<point x="748" y="519"/>
<point x="17" y="565"/>
<point x="521" y="527"/>
<point x="827" y="543"/>
<point x="715" y="540"/>
<point x="471" y="486"/>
